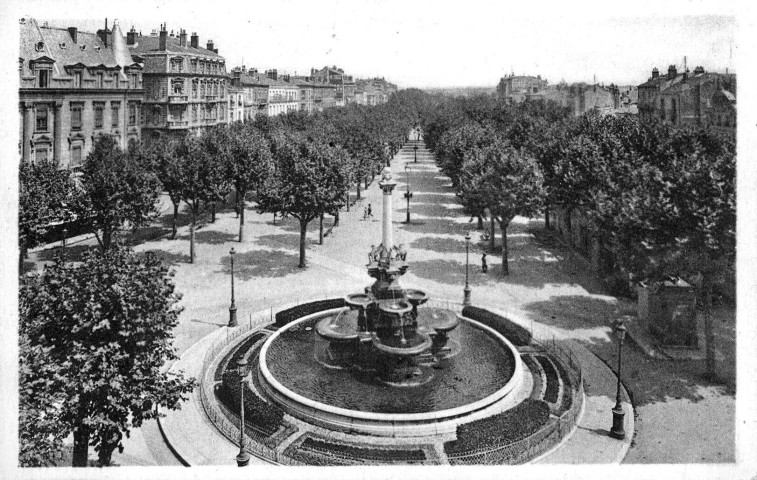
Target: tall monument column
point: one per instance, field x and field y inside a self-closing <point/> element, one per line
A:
<point x="387" y="184"/>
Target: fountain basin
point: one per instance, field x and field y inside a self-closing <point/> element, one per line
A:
<point x="394" y="413"/>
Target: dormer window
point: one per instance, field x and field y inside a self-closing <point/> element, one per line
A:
<point x="43" y="78"/>
<point x="39" y="46"/>
<point x="99" y="80"/>
<point x="62" y="45"/>
<point x="77" y="79"/>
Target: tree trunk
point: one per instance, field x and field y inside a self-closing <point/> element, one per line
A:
<point x="709" y="333"/>
<point x="546" y="218"/>
<point x="212" y="212"/>
<point x="303" y="232"/>
<point x="274" y="218"/>
<point x="492" y="232"/>
<point x="336" y="219"/>
<point x="175" y="221"/>
<point x="366" y="182"/>
<point x="241" y="224"/>
<point x="192" y="237"/>
<point x="236" y="203"/>
<point x="81" y="445"/>
<point x="348" y="200"/>
<point x="480" y="223"/>
<point x="358" y="190"/>
<point x="505" y="267"/>
<point x="320" y="230"/>
<point x="107" y="238"/>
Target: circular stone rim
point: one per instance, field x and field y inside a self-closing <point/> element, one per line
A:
<point x="514" y="382"/>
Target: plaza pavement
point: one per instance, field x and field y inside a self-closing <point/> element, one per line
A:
<point x="679" y="417"/>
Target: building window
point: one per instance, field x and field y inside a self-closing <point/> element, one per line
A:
<point x="99" y="116"/>
<point x="40" y="155"/>
<point x="134" y="79"/>
<point x="99" y="80"/>
<point x="194" y="88"/>
<point x="115" y="80"/>
<point x="77" y="79"/>
<point x="115" y="108"/>
<point x="76" y="117"/>
<point x="194" y="66"/>
<point x="178" y="86"/>
<point x="43" y="77"/>
<point x="132" y="114"/>
<point x="75" y="156"/>
<point x="41" y="118"/>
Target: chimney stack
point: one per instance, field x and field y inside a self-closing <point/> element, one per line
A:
<point x="194" y="40"/>
<point x="655" y="73"/>
<point x="183" y="37"/>
<point x="73" y="32"/>
<point x="698" y="70"/>
<point x="672" y="72"/>
<point x="131" y="36"/>
<point x="273" y="74"/>
<point x="210" y="45"/>
<point x="105" y="35"/>
<point x="163" y="37"/>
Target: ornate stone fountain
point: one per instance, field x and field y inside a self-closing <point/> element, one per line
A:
<point x="384" y="329"/>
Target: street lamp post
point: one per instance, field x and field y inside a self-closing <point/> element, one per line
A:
<point x="467" y="289"/>
<point x="408" y="193"/>
<point x="617" y="430"/>
<point x="63" y="243"/>
<point x="415" y="153"/>
<point x="243" y="458"/>
<point x="233" y="307"/>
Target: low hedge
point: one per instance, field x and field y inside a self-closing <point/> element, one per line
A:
<point x="502" y="429"/>
<point x="264" y="416"/>
<point x="291" y="314"/>
<point x="519" y="336"/>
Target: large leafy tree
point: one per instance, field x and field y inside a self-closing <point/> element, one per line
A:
<point x="197" y="173"/>
<point x="167" y="165"/>
<point x="248" y="163"/>
<point x="47" y="195"/>
<point x="215" y="145"/>
<point x="116" y="189"/>
<point x="508" y="181"/>
<point x="309" y="181"/>
<point x="105" y="328"/>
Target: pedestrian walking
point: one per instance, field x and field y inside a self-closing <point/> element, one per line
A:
<point x="370" y="212"/>
<point x="484" y="266"/>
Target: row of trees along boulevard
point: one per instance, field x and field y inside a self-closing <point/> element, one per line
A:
<point x="95" y="334"/>
<point x="660" y="198"/>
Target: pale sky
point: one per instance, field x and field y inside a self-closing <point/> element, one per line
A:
<point x="437" y="43"/>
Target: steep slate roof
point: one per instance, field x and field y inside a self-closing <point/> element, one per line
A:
<point x="146" y="44"/>
<point x="60" y="47"/>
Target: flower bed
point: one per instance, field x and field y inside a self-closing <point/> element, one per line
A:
<point x="291" y="314"/>
<point x="314" y="450"/>
<point x="518" y="336"/>
<point x="264" y="416"/>
<point x="234" y="355"/>
<point x="552" y="391"/>
<point x="567" y="388"/>
<point x="501" y="429"/>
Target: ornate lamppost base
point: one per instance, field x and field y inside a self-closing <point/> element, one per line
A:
<point x="243" y="458"/>
<point x="466" y="295"/>
<point x="617" y="430"/>
<point x="233" y="316"/>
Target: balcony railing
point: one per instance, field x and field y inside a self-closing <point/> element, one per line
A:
<point x="281" y="99"/>
<point x="177" y="123"/>
<point x="178" y="98"/>
<point x="210" y="98"/>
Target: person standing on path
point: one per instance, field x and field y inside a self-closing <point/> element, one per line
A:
<point x="370" y="212"/>
<point x="484" y="266"/>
